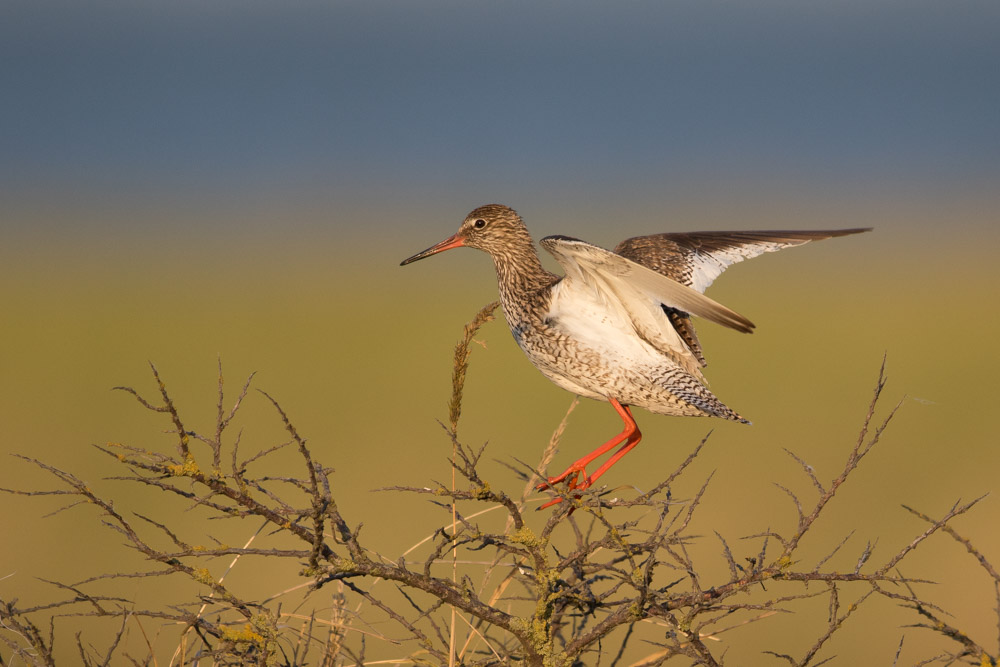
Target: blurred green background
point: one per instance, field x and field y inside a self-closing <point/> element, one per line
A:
<point x="185" y="182"/>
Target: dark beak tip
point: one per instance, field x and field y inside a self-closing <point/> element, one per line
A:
<point x="413" y="258"/>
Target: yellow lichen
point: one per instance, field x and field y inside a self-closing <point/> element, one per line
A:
<point x="525" y="536"/>
<point x="187" y="469"/>
<point x="203" y="576"/>
<point x="264" y="625"/>
<point x="342" y="565"/>
<point x="246" y="634"/>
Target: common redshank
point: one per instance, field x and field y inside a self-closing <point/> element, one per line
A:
<point x="617" y="327"/>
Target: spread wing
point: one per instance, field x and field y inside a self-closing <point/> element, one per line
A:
<point x="638" y="294"/>
<point x="696" y="259"/>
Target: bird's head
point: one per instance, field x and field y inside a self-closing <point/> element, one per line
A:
<point x="493" y="228"/>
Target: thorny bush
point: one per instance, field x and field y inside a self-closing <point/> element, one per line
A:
<point x="587" y="583"/>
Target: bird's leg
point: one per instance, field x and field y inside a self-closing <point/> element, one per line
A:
<point x="632" y="441"/>
<point x="630" y="435"/>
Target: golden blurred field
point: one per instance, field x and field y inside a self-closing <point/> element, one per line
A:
<point x="358" y="352"/>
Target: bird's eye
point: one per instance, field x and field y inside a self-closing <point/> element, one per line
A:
<point x="479" y="224"/>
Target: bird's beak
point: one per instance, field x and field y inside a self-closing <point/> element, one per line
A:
<point x="456" y="241"/>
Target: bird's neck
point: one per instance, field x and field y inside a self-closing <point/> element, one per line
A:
<point x="520" y="273"/>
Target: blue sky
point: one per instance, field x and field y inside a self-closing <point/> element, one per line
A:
<point x="256" y="98"/>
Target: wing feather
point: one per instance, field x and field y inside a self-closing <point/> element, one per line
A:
<point x="696" y="259"/>
<point x="625" y="276"/>
<point x="638" y="293"/>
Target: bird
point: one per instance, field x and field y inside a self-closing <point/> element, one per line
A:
<point x="617" y="326"/>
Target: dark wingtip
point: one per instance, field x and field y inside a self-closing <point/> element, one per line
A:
<point x="847" y="232"/>
<point x="742" y="324"/>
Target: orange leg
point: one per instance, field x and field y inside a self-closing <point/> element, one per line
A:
<point x="630" y="435"/>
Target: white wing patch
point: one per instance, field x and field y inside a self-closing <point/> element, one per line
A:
<point x="706" y="266"/>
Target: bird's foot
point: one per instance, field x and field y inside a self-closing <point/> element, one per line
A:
<point x="572" y="476"/>
<point x="554" y="501"/>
